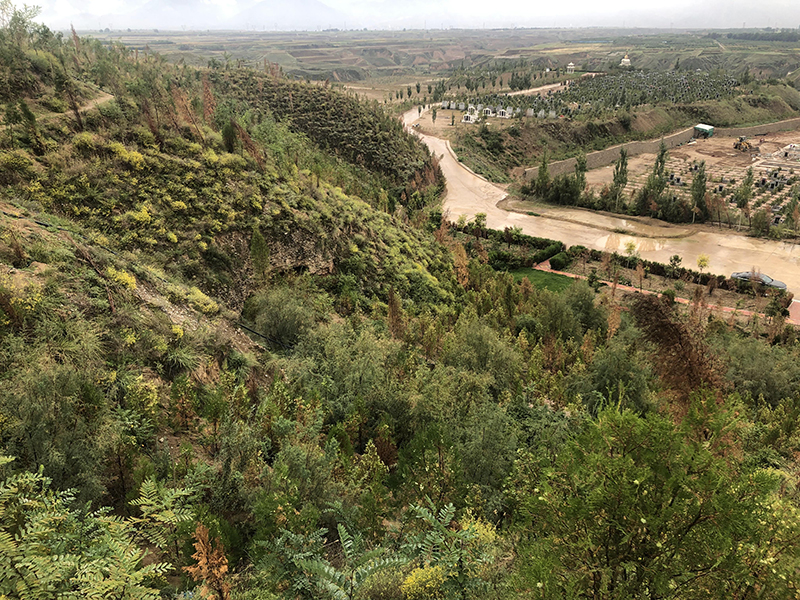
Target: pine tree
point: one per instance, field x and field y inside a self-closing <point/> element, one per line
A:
<point x="542" y="177"/>
<point x="699" y="191"/>
<point x="620" y="177"/>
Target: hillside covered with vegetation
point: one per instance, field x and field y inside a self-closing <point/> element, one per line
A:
<point x="242" y="356"/>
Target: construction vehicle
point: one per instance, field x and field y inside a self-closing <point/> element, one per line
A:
<point x="742" y="144"/>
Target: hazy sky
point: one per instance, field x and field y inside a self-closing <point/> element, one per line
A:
<point x="315" y="14"/>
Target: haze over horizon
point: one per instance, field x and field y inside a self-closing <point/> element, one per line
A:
<point x="281" y="15"/>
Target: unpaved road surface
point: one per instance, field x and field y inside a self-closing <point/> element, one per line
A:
<point x="540" y="91"/>
<point x="469" y="194"/>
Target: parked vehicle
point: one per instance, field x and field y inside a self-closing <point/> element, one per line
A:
<point x="754" y="277"/>
<point x="742" y="144"/>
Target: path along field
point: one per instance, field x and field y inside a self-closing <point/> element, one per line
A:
<point x="728" y="251"/>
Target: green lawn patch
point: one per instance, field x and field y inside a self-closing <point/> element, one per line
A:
<point x="543" y="280"/>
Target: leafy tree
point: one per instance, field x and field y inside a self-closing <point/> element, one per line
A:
<point x="162" y="511"/>
<point x="358" y="566"/>
<point x="52" y="547"/>
<point x="639" y="507"/>
<point x="56" y="417"/>
<point x="702" y="262"/>
<point x="12" y="117"/>
<point x="761" y="222"/>
<point x="580" y="298"/>
<point x="617" y="376"/>
<point x="458" y="550"/>
<point x="287" y="553"/>
<point x="631" y="252"/>
<point x="487" y="452"/>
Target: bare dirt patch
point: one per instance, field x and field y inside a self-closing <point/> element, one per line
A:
<point x="720" y="157"/>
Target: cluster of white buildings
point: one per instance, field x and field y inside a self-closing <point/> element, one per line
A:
<point x="475" y="113"/>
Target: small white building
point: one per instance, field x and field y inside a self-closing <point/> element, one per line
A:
<point x="471" y="110"/>
<point x="625" y="62"/>
<point x="468" y="118"/>
<point x="570" y="68"/>
<point x="488" y="111"/>
<point x="505" y="113"/>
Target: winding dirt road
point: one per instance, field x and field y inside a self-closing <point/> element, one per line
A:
<point x="469" y="194"/>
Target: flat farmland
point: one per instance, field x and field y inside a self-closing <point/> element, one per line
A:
<point x="379" y="53"/>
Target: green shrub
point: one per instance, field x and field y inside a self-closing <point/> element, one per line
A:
<point x="201" y="302"/>
<point x="501" y="260"/>
<point x="86" y="143"/>
<point x="280" y="314"/>
<point x="14" y="166"/>
<point x="426" y="583"/>
<point x="548" y="252"/>
<point x="560" y="261"/>
<point x="383" y="585"/>
<point x="54" y="104"/>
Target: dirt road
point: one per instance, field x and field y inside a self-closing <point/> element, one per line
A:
<point x="469" y="194"/>
<point x="540" y="91"/>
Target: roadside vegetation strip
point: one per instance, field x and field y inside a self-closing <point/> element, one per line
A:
<point x="545" y="268"/>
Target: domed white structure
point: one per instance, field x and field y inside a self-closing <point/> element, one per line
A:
<point x="625" y="62"/>
<point x="570" y="68"/>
